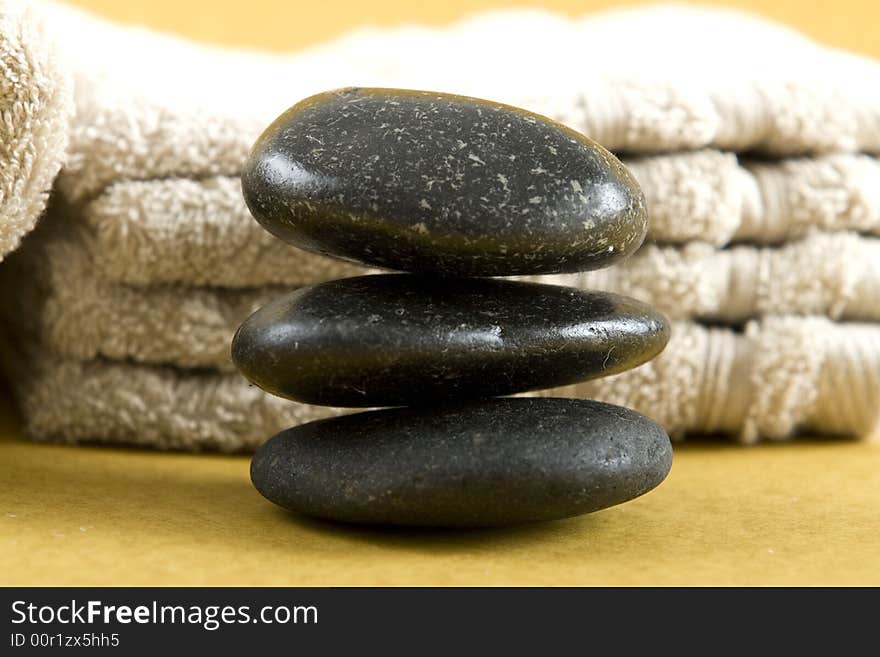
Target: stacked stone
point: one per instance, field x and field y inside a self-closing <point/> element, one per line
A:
<point x="452" y="190"/>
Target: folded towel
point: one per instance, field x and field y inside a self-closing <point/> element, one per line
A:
<point x="782" y="375"/>
<point x="179" y="230"/>
<point x="201" y="233"/>
<point x="162" y="106"/>
<point x="712" y="197"/>
<point x="835" y="275"/>
<point x="700" y="87"/>
<point x="124" y="303"/>
<point x="58" y="298"/>
<point x="67" y="400"/>
<point x="55" y="298"/>
<point x="35" y="107"/>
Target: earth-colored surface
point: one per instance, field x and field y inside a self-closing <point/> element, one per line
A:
<point x="805" y="513"/>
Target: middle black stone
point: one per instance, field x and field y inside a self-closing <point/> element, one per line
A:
<point x="401" y="339"/>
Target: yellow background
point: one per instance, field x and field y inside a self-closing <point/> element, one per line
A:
<point x="284" y="24"/>
<point x="805" y="513"/>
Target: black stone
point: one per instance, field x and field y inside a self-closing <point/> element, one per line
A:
<point x="430" y="182"/>
<point x="404" y="339"/>
<point x="497" y="462"/>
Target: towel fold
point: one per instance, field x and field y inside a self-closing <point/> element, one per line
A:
<point x="835" y="275"/>
<point x="713" y="197"/>
<point x="179" y="230"/>
<point x="104" y="401"/>
<point x="56" y="299"/>
<point x="199" y="232"/>
<point x="35" y="107"/>
<point x="81" y="315"/>
<point x="782" y="375"/>
<point x="699" y="87"/>
<point x="164" y="107"/>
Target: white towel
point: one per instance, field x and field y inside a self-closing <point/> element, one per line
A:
<point x="714" y="77"/>
<point x="122" y="308"/>
<point x="59" y="299"/>
<point x="783" y="375"/>
<point x="836" y="275"/>
<point x="780" y="376"/>
<point x="36" y="104"/>
<point x="200" y="232"/>
<point x="67" y="400"/>
<point x="161" y="106"/>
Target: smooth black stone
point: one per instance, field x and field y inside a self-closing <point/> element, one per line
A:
<point x="497" y="462"/>
<point x="404" y="339"/>
<point x="430" y="182"/>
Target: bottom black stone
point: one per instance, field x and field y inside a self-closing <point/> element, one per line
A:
<point x="496" y="462"/>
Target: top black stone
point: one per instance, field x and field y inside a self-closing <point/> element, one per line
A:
<point x="431" y="182"/>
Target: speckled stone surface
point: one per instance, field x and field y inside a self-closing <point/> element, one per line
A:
<point x="431" y="182"/>
<point x="405" y="339"/>
<point x="496" y="462"/>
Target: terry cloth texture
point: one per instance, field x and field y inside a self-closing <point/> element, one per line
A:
<point x="79" y="314"/>
<point x="199" y="232"/>
<point x="759" y="166"/>
<point x="164" y="107"/>
<point x="36" y="104"/>
<point x="781" y="374"/>
<point x="67" y="400"/>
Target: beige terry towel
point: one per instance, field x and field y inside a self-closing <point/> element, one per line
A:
<point x="68" y="400"/>
<point x="58" y="298"/>
<point x="156" y="144"/>
<point x="178" y="230"/>
<point x="714" y="77"/>
<point x="164" y="107"/>
<point x="836" y="275"/>
<point x="36" y="104"/>
<point x="201" y="233"/>
<point x="713" y="197"/>
<point x="55" y="296"/>
<point x="781" y="376"/>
